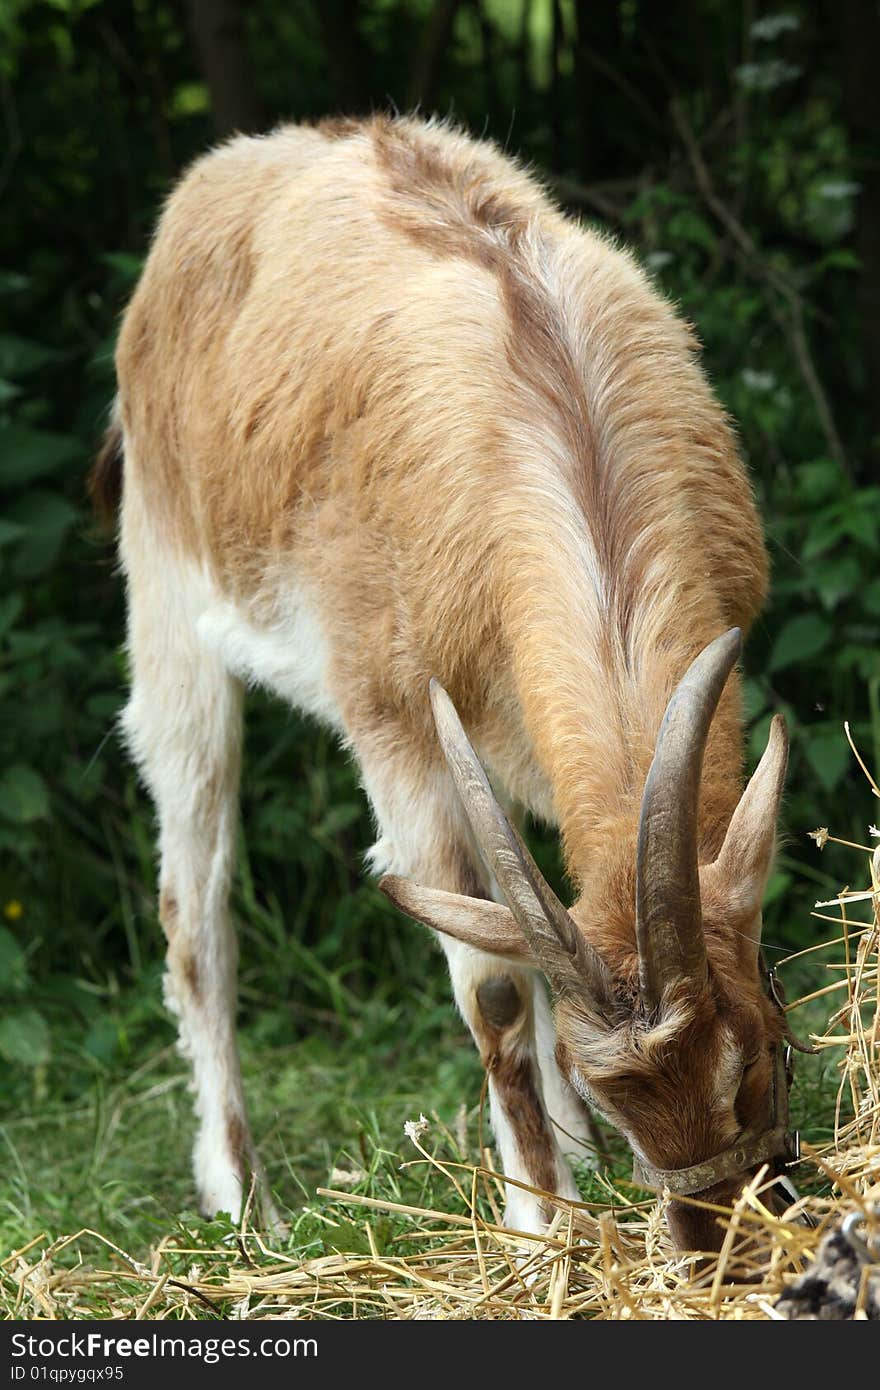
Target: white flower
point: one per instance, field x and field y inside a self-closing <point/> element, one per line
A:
<point x="838" y="188"/>
<point x="765" y="77"/>
<point x="770" y="26"/>
<point x="414" y="1129"/>
<point x="347" y="1177"/>
<point x="758" y="381"/>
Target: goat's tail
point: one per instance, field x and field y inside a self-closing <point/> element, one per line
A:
<point x="105" y="475"/>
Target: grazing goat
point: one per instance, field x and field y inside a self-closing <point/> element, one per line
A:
<point x="389" y="419"/>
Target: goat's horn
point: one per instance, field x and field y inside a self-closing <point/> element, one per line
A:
<point x="669" y="923"/>
<point x="569" y="962"/>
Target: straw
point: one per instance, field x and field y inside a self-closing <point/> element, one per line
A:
<point x="602" y="1259"/>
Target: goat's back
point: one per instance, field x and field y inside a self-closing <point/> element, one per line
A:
<point x="376" y="352"/>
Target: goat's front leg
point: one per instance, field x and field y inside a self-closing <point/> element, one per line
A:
<point x="574" y="1127"/>
<point x="422" y="838"/>
<point x="496" y="1000"/>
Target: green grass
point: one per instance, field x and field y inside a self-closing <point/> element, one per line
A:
<point x="116" y="1160"/>
<point x="116" y="1157"/>
<point x="347" y="1031"/>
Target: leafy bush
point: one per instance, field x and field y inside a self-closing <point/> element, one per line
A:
<point x="739" y="184"/>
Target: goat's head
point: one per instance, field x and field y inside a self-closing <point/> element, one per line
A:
<point x="681" y="1054"/>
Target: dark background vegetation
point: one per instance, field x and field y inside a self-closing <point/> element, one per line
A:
<point x="728" y="141"/>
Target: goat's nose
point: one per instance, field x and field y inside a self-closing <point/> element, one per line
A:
<point x="702" y="1228"/>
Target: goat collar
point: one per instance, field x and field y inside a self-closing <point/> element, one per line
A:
<point x="775" y="1144"/>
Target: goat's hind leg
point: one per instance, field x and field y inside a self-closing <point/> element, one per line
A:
<point x="183" y="724"/>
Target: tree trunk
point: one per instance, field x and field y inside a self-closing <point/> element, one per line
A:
<point x="557" y="39"/>
<point x="217" y="28"/>
<point x="435" y="41"/>
<point x="345" y="53"/>
<point x="582" y="85"/>
<point x="523" y="55"/>
<point x="489" y="59"/>
<point x="858" y="32"/>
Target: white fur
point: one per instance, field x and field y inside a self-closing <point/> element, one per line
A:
<point x="567" y="1112"/>
<point x="192" y="651"/>
<point x="468" y="968"/>
<point x="183" y="726"/>
<point x="411" y="820"/>
<point x="288" y="656"/>
<point x="415" y="823"/>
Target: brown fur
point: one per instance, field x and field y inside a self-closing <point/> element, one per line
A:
<point x="237" y="1139"/>
<point x="337" y="127"/>
<point x="662" y="435"/>
<point x="105" y="477"/>
<point x="169" y="911"/>
<point x="375" y="356"/>
<point x="499" y="1001"/>
<point x="191" y="974"/>
<point x="518" y="1092"/>
<point x="505" y="1020"/>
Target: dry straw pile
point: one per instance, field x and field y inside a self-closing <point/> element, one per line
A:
<point x="605" y="1259"/>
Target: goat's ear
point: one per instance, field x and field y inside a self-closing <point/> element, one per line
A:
<point x="743" y="866"/>
<point x="478" y="922"/>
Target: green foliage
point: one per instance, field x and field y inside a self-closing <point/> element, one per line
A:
<point x="752" y="227"/>
<point x="24" y="1034"/>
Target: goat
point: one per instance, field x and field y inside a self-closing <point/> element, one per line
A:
<point x="387" y="417"/>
